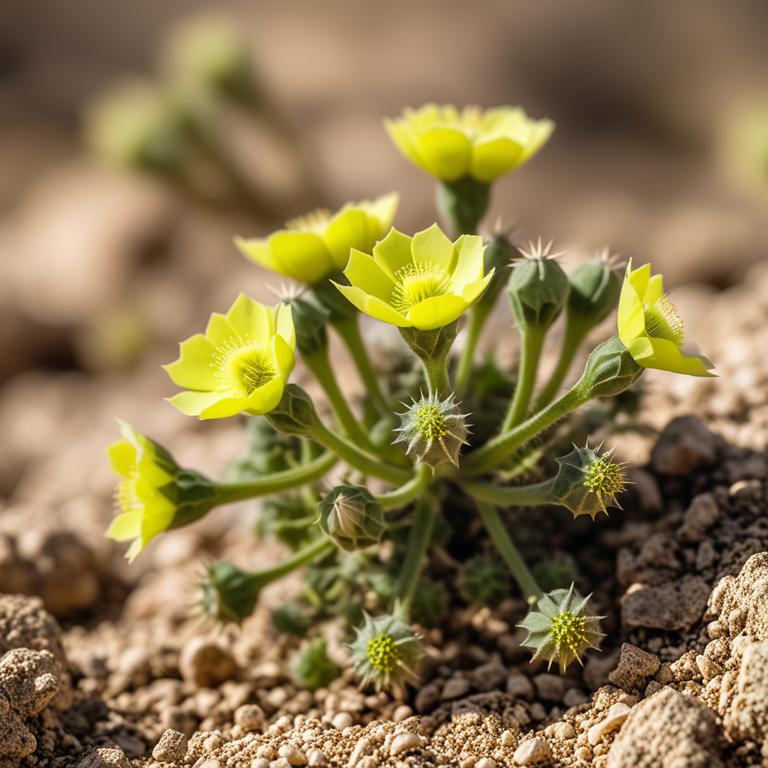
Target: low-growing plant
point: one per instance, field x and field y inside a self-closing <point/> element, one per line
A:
<point x="398" y="531"/>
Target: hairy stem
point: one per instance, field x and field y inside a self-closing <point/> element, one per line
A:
<point x="516" y="495"/>
<point x="407" y="492"/>
<point x="304" y="556"/>
<point x="421" y="533"/>
<point x="532" y="340"/>
<point x="509" y="552"/>
<point x="575" y="332"/>
<point x="477" y="317"/>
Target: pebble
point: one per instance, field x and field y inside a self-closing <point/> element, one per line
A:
<point x="520" y="686"/>
<point x="563" y="731"/>
<point x="205" y="663"/>
<point x="171" y="748"/>
<point x="369" y="761"/>
<point x="105" y="757"/>
<point x="342" y="720"/>
<point x="615" y="718"/>
<point x="485" y="762"/>
<point x="455" y="688"/>
<point x="292" y="754"/>
<point x="427" y="698"/>
<point x="549" y="687"/>
<point x="634" y="666"/>
<point x="250" y="717"/>
<point x="316" y="758"/>
<point x="403" y="712"/>
<point x="532" y="751"/>
<point x="403" y="742"/>
<point x="260" y="762"/>
<point x="684" y="445"/>
<point x="508" y="738"/>
<point x="573" y="697"/>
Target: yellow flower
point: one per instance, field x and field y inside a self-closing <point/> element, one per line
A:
<point x="422" y="282"/>
<point x="650" y="327"/>
<point x="154" y="494"/>
<point x="449" y="144"/>
<point x="317" y="245"/>
<point x="241" y="363"/>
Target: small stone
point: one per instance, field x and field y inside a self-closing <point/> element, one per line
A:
<point x="707" y="667"/>
<point x="485" y="762"/>
<point x="369" y="761"/>
<point x="563" y="731"/>
<point x="583" y="753"/>
<point x="427" y="698"/>
<point x="508" y="738"/>
<point x="573" y="697"/>
<point x="171" y="748"/>
<point x="404" y="742"/>
<point x="342" y="720"/>
<point x="455" y="688"/>
<point x="549" y="687"/>
<point x="403" y="712"/>
<point x="674" y="606"/>
<point x="520" y="686"/>
<point x="105" y="757"/>
<point x="488" y="677"/>
<point x="281" y="762"/>
<point x="700" y="516"/>
<point x="615" y="718"/>
<point x="532" y="751"/>
<point x="260" y="762"/>
<point x="634" y="666"/>
<point x="205" y="663"/>
<point x="250" y="717"/>
<point x="292" y="754"/>
<point x="316" y="758"/>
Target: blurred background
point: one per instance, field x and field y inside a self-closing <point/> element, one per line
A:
<point x="131" y="154"/>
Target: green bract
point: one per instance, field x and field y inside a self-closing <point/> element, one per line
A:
<point x="424" y="281"/>
<point x="240" y="365"/>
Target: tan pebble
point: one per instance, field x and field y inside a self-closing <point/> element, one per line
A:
<point x="250" y="717"/>
<point x="292" y="754"/>
<point x="707" y="667"/>
<point x="316" y="758"/>
<point x="260" y="762"/>
<point x="485" y="762"/>
<point x="537" y="711"/>
<point x="105" y="757"/>
<point x="508" y="739"/>
<point x="267" y="751"/>
<point x="532" y="751"/>
<point x="403" y="712"/>
<point x="615" y="718"/>
<point x="171" y="748"/>
<point x="214" y="741"/>
<point x="520" y="686"/>
<point x="342" y="720"/>
<point x="281" y="762"/>
<point x="573" y="697"/>
<point x="427" y="698"/>
<point x="212" y="763"/>
<point x="369" y="761"/>
<point x="403" y="742"/>
<point x="455" y="688"/>
<point x="204" y="663"/>
<point x="467" y="762"/>
<point x="563" y="731"/>
<point x="583" y="753"/>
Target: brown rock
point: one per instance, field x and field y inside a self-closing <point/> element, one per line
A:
<point x="747" y="715"/>
<point x="171" y="748"/>
<point x="635" y="665"/>
<point x="667" y="729"/>
<point x="686" y="444"/>
<point x="105" y="757"/>
<point x="205" y="663"/>
<point x="675" y="605"/>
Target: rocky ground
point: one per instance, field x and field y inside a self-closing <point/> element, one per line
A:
<point x="129" y="676"/>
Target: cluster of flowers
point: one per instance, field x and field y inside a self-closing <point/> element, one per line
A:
<point x="352" y="262"/>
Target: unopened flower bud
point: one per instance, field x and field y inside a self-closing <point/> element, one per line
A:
<point x="610" y="369"/>
<point x="560" y="628"/>
<point x="538" y="287"/>
<point x="295" y="414"/>
<point x="485" y="580"/>
<point x="309" y="320"/>
<point x="386" y="652"/>
<point x="595" y="289"/>
<point x="228" y="593"/>
<point x="433" y="430"/>
<point x="588" y="482"/>
<point x="312" y="668"/>
<point x="352" y="517"/>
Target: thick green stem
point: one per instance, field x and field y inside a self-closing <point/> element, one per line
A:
<point x="477" y="317"/>
<point x="407" y="492"/>
<point x="495" y="451"/>
<point x="432" y="347"/>
<point x="532" y="339"/>
<point x="436" y="373"/>
<point x="509" y="552"/>
<point x="304" y="556"/>
<point x="352" y="455"/>
<point x="516" y="495"/>
<point x="575" y="332"/>
<point x="227" y="493"/>
<point x="421" y="533"/>
<point x="349" y="331"/>
<point x="320" y="366"/>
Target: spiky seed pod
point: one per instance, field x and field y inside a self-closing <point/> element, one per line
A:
<point x="434" y="430"/>
<point x="561" y="629"/>
<point x="352" y="517"/>
<point x="228" y="593"/>
<point x="595" y="289"/>
<point x="484" y="580"/>
<point x="588" y="481"/>
<point x="538" y="287"/>
<point x="312" y="668"/>
<point x="386" y="653"/>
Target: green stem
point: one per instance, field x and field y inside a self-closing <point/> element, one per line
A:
<point x="227" y="493"/>
<point x="352" y="455"/>
<point x="320" y="366"/>
<point x="575" y="333"/>
<point x="421" y="533"/>
<point x="349" y="331"/>
<point x="509" y="552"/>
<point x="516" y="495"/>
<point x="495" y="451"/>
<point x="436" y="372"/>
<point x="532" y="339"/>
<point x="477" y="317"/>
<point x="311" y="552"/>
<point x="407" y="492"/>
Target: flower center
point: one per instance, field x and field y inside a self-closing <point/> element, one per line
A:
<point x="314" y="221"/>
<point x="126" y="496"/>
<point x="417" y="282"/>
<point x="569" y="630"/>
<point x="430" y="422"/>
<point x="245" y="365"/>
<point x="605" y="477"/>
<point x="663" y="322"/>
<point x="382" y="653"/>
